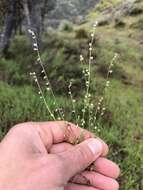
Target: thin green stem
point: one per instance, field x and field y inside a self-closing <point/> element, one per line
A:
<point x="43" y="97"/>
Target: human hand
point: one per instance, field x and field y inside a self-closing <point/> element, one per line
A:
<point x="40" y="156"/>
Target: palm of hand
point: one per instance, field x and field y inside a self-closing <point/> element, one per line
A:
<point x="34" y="158"/>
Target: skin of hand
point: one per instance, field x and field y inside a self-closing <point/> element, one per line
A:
<point x="40" y="156"/>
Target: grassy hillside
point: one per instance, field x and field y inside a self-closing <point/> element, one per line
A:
<point x="122" y="124"/>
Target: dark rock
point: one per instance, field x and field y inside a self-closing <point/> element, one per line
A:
<point x="119" y="23"/>
<point x="136" y="11"/>
<point x="104" y="21"/>
<point x="81" y="33"/>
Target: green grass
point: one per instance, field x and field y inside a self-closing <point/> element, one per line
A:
<point x="125" y="132"/>
<point x="21" y="104"/>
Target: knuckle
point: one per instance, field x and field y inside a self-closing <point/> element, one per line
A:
<point x="15" y="128"/>
<point x="21" y="126"/>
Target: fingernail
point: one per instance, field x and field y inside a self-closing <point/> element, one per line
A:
<point x="95" y="146"/>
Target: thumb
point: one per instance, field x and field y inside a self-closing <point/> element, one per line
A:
<point x="81" y="156"/>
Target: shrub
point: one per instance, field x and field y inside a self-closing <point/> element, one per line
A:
<point x="66" y="26"/>
<point x="13" y="73"/>
<point x="104" y="22"/>
<point x="103" y="5"/>
<point x="20" y="45"/>
<point x="138" y="1"/>
<point x="81" y="33"/>
<point x="118" y="73"/>
<point x="119" y="23"/>
<point x="136" y="11"/>
<point x="138" y="24"/>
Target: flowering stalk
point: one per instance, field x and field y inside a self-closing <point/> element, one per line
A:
<point x="73" y="101"/>
<point x="48" y="84"/>
<point x="100" y="108"/>
<point x="87" y="107"/>
<point x="42" y="95"/>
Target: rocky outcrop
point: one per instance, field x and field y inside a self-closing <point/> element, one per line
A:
<point x="121" y="9"/>
<point x="72" y="10"/>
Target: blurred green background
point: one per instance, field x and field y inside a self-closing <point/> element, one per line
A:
<point x="120" y="30"/>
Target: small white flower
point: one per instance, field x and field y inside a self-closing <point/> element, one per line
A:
<point x="89" y="95"/>
<point x="35" y="45"/>
<point x="98" y="108"/>
<point x="52" y="115"/>
<point x="91" y="105"/>
<point x="73" y="100"/>
<point x="83" y="110"/>
<point x="95" y="24"/>
<point x="34" y="37"/>
<point x="81" y="58"/>
<point x="107" y="83"/>
<point x="87" y="83"/>
<point x="83" y="122"/>
<point x="103" y="109"/>
<point x="30" y="31"/>
<point x="116" y="55"/>
<point x="92" y="35"/>
<point x="101" y="99"/>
